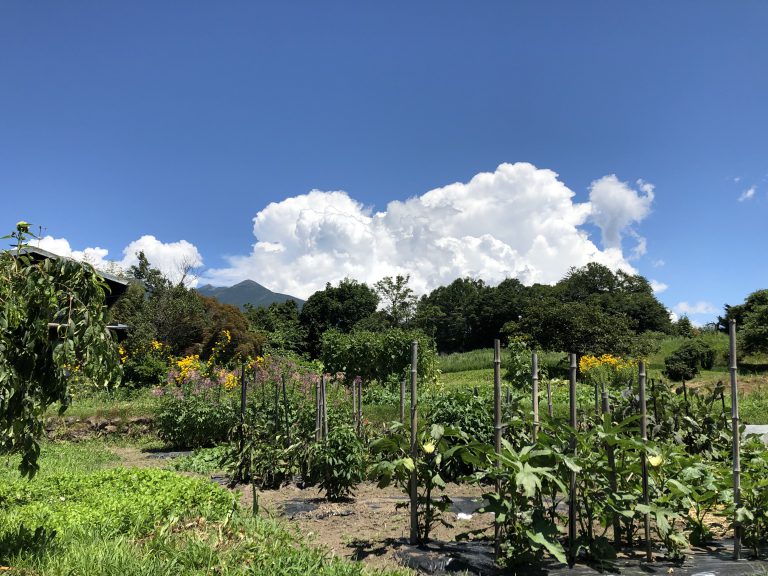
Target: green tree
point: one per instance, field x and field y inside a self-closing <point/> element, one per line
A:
<point x="279" y="325"/>
<point x="53" y="322"/>
<point x="339" y="307"/>
<point x="683" y="327"/>
<point x="398" y="298"/>
<point x="751" y="321"/>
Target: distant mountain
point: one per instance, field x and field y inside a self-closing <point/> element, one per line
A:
<point x="246" y="292"/>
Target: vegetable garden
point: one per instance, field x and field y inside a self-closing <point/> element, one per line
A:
<point x="638" y="468"/>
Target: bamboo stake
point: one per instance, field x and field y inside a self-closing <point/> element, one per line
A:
<point x="572" y="487"/>
<point x="354" y="405"/>
<point x="324" y="411"/>
<point x="549" y="398"/>
<point x="535" y="393"/>
<point x="497" y="433"/>
<point x="414" y="496"/>
<point x="318" y="410"/>
<point x="285" y="408"/>
<point x="612" y="474"/>
<point x="402" y="401"/>
<point x="644" y="458"/>
<point x="736" y="440"/>
<point x="360" y="406"/>
<point x="241" y="430"/>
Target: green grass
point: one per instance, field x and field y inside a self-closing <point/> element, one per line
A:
<point x="120" y="403"/>
<point x="84" y="515"/>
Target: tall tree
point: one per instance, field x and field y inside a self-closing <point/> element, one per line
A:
<point x="397" y="297"/>
<point x="339" y="307"/>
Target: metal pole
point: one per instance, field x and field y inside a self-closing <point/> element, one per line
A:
<point x="497" y="433"/>
<point x="572" y="488"/>
<point x="644" y="457"/>
<point x="535" y="393"/>
<point x="414" y="447"/>
<point x="736" y="440"/>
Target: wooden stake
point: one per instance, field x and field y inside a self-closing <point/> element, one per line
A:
<point x="241" y="431"/>
<point x="402" y="401"/>
<point x="535" y="393"/>
<point x="644" y="458"/>
<point x="497" y="427"/>
<point x="549" y="398"/>
<point x="318" y="410"/>
<point x="287" y="423"/>
<point x="612" y="473"/>
<point x="414" y="486"/>
<point x="360" y="406"/>
<point x="572" y="487"/>
<point x="736" y="439"/>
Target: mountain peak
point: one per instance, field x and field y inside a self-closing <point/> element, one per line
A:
<point x="246" y="292"/>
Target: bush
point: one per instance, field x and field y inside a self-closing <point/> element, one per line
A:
<point x="684" y="363"/>
<point x="338" y="462"/>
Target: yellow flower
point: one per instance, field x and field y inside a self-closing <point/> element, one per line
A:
<point x="428" y="448"/>
<point x="230" y="381"/>
<point x="655" y="461"/>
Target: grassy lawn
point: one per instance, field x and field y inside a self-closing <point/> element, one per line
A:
<point x="83" y="514"/>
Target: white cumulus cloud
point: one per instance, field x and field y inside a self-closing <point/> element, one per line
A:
<point x="658" y="287"/>
<point x="700" y="307"/>
<point x="171" y="258"/>
<point x="616" y="206"/>
<point x="518" y="221"/>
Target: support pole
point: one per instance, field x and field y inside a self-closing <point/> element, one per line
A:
<point x="736" y="440"/>
<point x="402" y="401"/>
<point x="414" y="495"/>
<point x="497" y="427"/>
<point x="324" y="414"/>
<point x="549" y="398"/>
<point x="535" y="394"/>
<point x="241" y="428"/>
<point x="318" y="410"/>
<point x="644" y="458"/>
<point x="354" y="405"/>
<point x="360" y="406"/>
<point x="572" y="487"/>
<point x="612" y="473"/>
<point x="285" y="408"/>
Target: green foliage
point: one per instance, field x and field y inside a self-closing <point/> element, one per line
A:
<point x="198" y="413"/>
<point x="683" y="327"/>
<point x="146" y="365"/>
<point x="37" y="363"/>
<point x="202" y="461"/>
<point x="436" y="454"/>
<point x="117" y="501"/>
<point x="378" y="355"/>
<point x="685" y="362"/>
<point x="399" y="300"/>
<point x="338" y="462"/>
<point x="279" y="325"/>
<point x="753" y="513"/>
<point x="339" y="307"/>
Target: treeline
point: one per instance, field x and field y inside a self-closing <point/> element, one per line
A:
<point x="591" y="310"/>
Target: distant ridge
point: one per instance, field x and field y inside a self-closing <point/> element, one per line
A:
<point x="246" y="292"/>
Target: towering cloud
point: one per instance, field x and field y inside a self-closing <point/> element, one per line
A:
<point x="518" y="221"/>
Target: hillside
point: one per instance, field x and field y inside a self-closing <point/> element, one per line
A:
<point x="246" y="292"/>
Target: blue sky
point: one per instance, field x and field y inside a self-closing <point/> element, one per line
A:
<point x="145" y="124"/>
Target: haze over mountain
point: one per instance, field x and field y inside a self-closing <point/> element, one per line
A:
<point x="246" y="292"/>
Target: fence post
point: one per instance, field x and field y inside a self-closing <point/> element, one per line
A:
<point x="360" y="406"/>
<point x="324" y="411"/>
<point x="354" y="405"/>
<point x="736" y="440"/>
<point x="414" y="446"/>
<point x="318" y="409"/>
<point x="644" y="457"/>
<point x="535" y="393"/>
<point x="497" y="433"/>
<point x="549" y="398"/>
<point x="572" y="487"/>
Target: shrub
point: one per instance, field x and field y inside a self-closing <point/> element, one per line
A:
<point x="338" y="462"/>
<point x="684" y="363"/>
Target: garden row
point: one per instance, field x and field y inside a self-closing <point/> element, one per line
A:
<point x="271" y="430"/>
